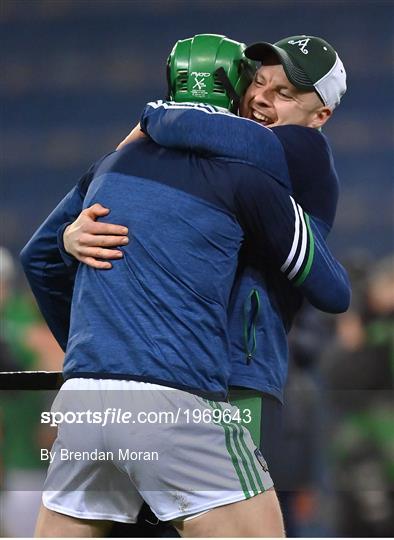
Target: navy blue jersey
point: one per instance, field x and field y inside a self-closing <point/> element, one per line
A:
<point x="160" y="314"/>
<point x="263" y="302"/>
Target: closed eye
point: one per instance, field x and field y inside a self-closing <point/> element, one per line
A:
<point x="285" y="94"/>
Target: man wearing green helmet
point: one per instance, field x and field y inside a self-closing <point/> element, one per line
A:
<point x="202" y="69"/>
<point x="294" y="103"/>
<point x="220" y="516"/>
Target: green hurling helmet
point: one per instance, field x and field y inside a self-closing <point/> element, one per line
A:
<point x="209" y="68"/>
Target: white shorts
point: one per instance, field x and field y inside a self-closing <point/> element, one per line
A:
<point x="142" y="441"/>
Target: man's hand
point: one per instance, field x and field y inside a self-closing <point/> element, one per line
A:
<point x="134" y="135"/>
<point x="89" y="240"/>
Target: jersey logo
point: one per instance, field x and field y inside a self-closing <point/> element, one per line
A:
<point x="181" y="500"/>
<point x="302" y="43"/>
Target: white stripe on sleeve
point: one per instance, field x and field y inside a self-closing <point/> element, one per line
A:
<point x="301" y="256"/>
<point x="293" y="249"/>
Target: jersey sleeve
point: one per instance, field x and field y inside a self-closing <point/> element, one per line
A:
<point x="50" y="271"/>
<point x="291" y="241"/>
<point x="205" y="129"/>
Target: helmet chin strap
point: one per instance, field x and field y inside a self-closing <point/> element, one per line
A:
<point x="230" y="90"/>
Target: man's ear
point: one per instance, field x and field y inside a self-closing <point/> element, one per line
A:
<point x="320" y="117"/>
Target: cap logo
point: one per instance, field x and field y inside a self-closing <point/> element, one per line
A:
<point x="302" y="43"/>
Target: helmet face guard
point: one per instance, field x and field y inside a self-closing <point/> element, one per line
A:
<point x="209" y="68"/>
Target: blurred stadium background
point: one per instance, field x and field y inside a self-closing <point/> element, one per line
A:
<point x="75" y="77"/>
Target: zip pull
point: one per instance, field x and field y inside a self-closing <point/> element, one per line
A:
<point x="249" y="352"/>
